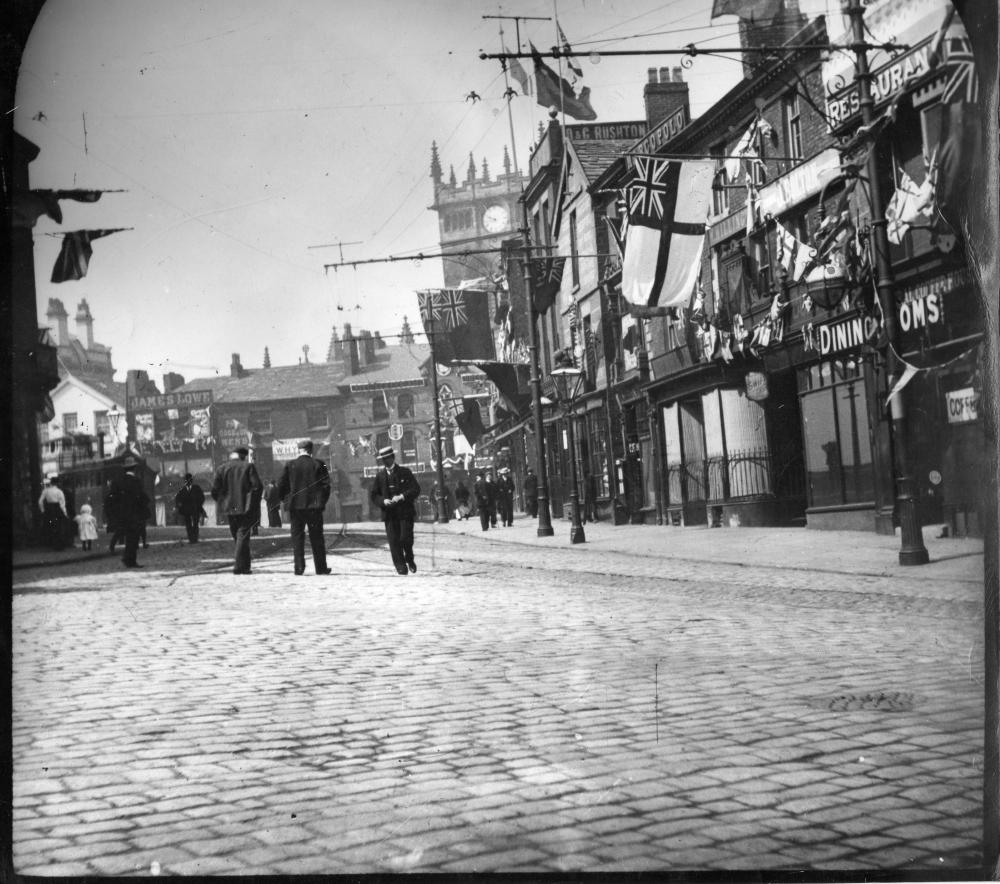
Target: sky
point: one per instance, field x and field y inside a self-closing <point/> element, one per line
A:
<point x="248" y="138"/>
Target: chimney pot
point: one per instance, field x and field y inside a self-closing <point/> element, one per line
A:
<point x="678" y="75"/>
<point x="664" y="75"/>
<point x="652" y="74"/>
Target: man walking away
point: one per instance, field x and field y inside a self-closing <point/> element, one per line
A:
<point x="129" y="506"/>
<point x="189" y="502"/>
<point x="272" y="500"/>
<point x="505" y="487"/>
<point x="305" y="484"/>
<point x="531" y="493"/>
<point x="394" y="491"/>
<point x="237" y="489"/>
<point x="482" y="492"/>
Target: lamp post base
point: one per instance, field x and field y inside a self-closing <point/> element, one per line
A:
<point x="576" y="534"/>
<point x="545" y="531"/>
<point x="912" y="551"/>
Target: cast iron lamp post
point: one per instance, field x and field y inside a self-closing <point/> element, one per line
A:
<point x="567" y="379"/>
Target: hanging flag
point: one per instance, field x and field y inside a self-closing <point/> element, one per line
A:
<point x="908" y="374"/>
<point x="758" y="12"/>
<point x="793" y="255"/>
<point x="470" y="420"/>
<point x="28" y="206"/>
<point x="908" y="203"/>
<point x="458" y="324"/>
<point x="960" y="135"/>
<point x="746" y="149"/>
<point x="553" y="91"/>
<point x="518" y="72"/>
<point x="571" y="64"/>
<point x="669" y="202"/>
<point x="752" y="207"/>
<point x="547" y="281"/>
<point x="74" y="256"/>
<point x="512" y="383"/>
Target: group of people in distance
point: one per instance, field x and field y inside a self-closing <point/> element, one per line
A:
<point x="304" y="488"/>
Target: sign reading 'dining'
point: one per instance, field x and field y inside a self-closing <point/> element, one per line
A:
<point x="847" y="334"/>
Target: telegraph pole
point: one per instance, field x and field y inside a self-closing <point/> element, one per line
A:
<point x="544" y="516"/>
<point x="441" y="509"/>
<point x="912" y="550"/>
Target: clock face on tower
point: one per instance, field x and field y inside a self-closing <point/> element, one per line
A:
<point x="495" y="219"/>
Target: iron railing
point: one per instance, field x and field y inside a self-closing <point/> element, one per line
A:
<point x="743" y="474"/>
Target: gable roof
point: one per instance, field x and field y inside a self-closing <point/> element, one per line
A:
<point x="596" y="156"/>
<point x="313" y="380"/>
<point x="100" y="388"/>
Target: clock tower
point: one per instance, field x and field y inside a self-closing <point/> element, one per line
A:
<point x="479" y="213"/>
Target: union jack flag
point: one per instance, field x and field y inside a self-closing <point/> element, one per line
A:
<point x="963" y="83"/>
<point x="449" y="308"/>
<point x="647" y="189"/>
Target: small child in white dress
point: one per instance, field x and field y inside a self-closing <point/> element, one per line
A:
<point x="86" y="526"/>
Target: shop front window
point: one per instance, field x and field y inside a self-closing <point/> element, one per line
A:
<point x="835" y="428"/>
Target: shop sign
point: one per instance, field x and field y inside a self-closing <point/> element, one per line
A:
<point x="627" y="131"/>
<point x="663" y="132"/>
<point x="756" y="382"/>
<point x="911" y="23"/>
<point x="163" y="401"/>
<point x="231" y="437"/>
<point x="962" y="405"/>
<point x="285" y="449"/>
<point x="847" y="334"/>
<point x="920" y="313"/>
<point x="886" y="82"/>
<point x="395" y="432"/>
<point x="799" y="184"/>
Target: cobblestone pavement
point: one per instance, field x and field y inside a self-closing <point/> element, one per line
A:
<point x="510" y="707"/>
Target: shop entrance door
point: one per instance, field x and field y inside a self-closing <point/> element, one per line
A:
<point x="694" y="482"/>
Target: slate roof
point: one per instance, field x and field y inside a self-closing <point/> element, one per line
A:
<point x="311" y="380"/>
<point x="596" y="156"/>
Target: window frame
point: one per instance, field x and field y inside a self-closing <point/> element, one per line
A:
<point x="254" y="422"/>
<point x="792" y="113"/>
<point x="311" y="424"/>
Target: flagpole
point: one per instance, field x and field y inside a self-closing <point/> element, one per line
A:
<point x="441" y="511"/>
<point x="912" y="550"/>
<point x="544" y="515"/>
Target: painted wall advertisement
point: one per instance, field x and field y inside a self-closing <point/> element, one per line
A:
<point x="172" y="423"/>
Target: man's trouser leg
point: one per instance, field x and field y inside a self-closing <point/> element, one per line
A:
<point x="392" y="533"/>
<point x="297" y="519"/>
<point x="314" y="523"/>
<point x="130" y="555"/>
<point x="406" y="539"/>
<point x="240" y="527"/>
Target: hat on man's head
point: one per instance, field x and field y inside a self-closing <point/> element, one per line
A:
<point x="385" y="453"/>
<point x="243" y="452"/>
<point x="188" y="477"/>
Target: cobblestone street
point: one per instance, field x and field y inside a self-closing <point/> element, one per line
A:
<point x="516" y="705"/>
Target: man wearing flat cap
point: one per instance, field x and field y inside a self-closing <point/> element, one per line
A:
<point x="305" y="488"/>
<point x="237" y="489"/>
<point x="393" y="492"/>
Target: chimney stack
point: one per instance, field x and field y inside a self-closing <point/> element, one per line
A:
<point x="235" y="368"/>
<point x="85" y="324"/>
<point x="171" y="381"/>
<point x="350" y="345"/>
<point x="665" y="96"/>
<point x="59" y="320"/>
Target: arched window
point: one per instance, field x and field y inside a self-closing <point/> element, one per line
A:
<point x="404" y="405"/>
<point x="380" y="407"/>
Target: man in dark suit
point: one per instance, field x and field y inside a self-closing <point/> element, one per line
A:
<point x="394" y="491"/>
<point x="505" y="498"/>
<point x="189" y="502"/>
<point x="484" y="496"/>
<point x="128" y="506"/>
<point x="237" y="489"/>
<point x="305" y="486"/>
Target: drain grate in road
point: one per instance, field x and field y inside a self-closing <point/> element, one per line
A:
<point x="883" y="701"/>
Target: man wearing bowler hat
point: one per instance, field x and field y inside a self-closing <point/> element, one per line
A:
<point x="305" y="487"/>
<point x="394" y="491"/>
